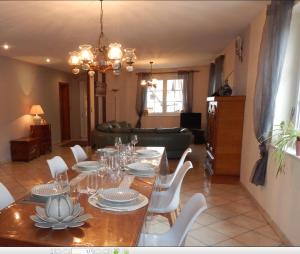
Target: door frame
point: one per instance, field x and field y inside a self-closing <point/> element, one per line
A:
<point x="64" y="85"/>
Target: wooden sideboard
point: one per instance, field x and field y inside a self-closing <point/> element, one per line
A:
<point x="224" y="134"/>
<point x="24" y="149"/>
<point x="43" y="132"/>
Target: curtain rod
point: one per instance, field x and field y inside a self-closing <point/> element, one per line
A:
<point x="168" y="72"/>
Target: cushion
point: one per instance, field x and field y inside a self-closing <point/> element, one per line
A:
<point x="124" y="124"/>
<point x="168" y="130"/>
<point x="114" y="124"/>
<point x="106" y="127"/>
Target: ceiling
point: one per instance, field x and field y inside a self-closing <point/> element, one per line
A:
<point x="172" y="33"/>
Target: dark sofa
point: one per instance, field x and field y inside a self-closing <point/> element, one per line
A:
<point x="176" y="140"/>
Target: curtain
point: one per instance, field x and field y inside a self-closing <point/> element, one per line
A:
<point x="187" y="90"/>
<point x="211" y="82"/>
<point x="219" y="64"/>
<point x="141" y="98"/>
<point x="271" y="58"/>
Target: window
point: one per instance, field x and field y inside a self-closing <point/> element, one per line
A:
<point x="166" y="98"/>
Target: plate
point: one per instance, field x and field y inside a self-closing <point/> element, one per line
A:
<point x="118" y="207"/>
<point x="88" y="165"/>
<point x="107" y="150"/>
<point x="140" y="166"/>
<point x="118" y="195"/>
<point x="147" y="153"/>
<point x="48" y="190"/>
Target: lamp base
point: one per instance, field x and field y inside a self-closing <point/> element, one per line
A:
<point x="37" y="120"/>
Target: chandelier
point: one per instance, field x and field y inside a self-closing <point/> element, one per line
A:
<point x="151" y="82"/>
<point x="101" y="58"/>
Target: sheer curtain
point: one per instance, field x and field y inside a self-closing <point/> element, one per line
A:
<point x="187" y="90"/>
<point x="141" y="98"/>
<point x="271" y="57"/>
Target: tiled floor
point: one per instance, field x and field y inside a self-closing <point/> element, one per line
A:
<point x="232" y="219"/>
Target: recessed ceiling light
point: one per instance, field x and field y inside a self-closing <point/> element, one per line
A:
<point x="48" y="60"/>
<point x="6" y="46"/>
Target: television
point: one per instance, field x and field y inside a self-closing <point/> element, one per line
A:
<point x="190" y="120"/>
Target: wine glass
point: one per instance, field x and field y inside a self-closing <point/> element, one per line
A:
<point x="61" y="180"/>
<point x="118" y="143"/>
<point x="134" y="141"/>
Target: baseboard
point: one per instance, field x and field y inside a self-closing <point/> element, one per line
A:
<point x="266" y="216"/>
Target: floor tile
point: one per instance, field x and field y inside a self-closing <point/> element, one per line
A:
<point x="208" y="236"/>
<point x="221" y="212"/>
<point x="255" y="214"/>
<point x="230" y="243"/>
<point x="252" y="238"/>
<point x="192" y="242"/>
<point x="268" y="232"/>
<point x="246" y="222"/>
<point x="206" y="219"/>
<point x="227" y="228"/>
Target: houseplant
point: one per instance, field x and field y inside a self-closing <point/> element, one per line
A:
<point x="284" y="135"/>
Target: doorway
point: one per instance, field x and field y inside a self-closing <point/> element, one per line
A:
<point x="64" y="110"/>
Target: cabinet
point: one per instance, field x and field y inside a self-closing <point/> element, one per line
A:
<point x="224" y="134"/>
<point x="43" y="132"/>
<point x="24" y="149"/>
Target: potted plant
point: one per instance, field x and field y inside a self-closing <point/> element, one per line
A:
<point x="284" y="135"/>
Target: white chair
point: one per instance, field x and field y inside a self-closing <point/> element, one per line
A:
<point x="177" y="234"/>
<point x="165" y="181"/>
<point x="5" y="197"/>
<point x="57" y="166"/>
<point x="79" y="153"/>
<point x="167" y="201"/>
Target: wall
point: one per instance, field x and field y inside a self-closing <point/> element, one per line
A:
<point x="23" y="84"/>
<point x="280" y="196"/>
<point x="126" y="84"/>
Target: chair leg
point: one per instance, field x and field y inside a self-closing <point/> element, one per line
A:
<point x="171" y="218"/>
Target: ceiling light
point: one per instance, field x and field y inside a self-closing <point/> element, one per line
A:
<point x="151" y="82"/>
<point x="6" y="46"/>
<point x="101" y="58"/>
<point x="48" y="60"/>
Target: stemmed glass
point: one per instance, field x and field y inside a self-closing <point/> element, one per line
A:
<point x="118" y="143"/>
<point x="61" y="180"/>
<point x="134" y="141"/>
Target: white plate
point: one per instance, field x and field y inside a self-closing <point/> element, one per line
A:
<point x="141" y="202"/>
<point x="147" y="152"/>
<point x="88" y="165"/>
<point x="140" y="166"/>
<point x="118" y="195"/>
<point x="107" y="150"/>
<point x="48" y="190"/>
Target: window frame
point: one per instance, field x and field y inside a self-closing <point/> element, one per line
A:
<point x="164" y="78"/>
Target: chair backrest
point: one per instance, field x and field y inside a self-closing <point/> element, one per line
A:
<point x="174" y="190"/>
<point x="182" y="159"/>
<point x="79" y="153"/>
<point x="57" y="165"/>
<point x="5" y="197"/>
<point x="193" y="208"/>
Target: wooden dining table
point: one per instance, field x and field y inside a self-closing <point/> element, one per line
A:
<point x="106" y="228"/>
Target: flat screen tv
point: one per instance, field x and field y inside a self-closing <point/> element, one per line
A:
<point x="190" y="120"/>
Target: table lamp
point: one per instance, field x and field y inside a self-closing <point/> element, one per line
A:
<point x="36" y="110"/>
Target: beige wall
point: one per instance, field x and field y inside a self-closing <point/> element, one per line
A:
<point x="22" y="85"/>
<point x="280" y="195"/>
<point x="127" y="82"/>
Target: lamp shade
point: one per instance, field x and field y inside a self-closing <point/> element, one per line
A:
<point x="36" y="110"/>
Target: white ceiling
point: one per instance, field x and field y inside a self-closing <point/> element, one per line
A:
<point x="172" y="33"/>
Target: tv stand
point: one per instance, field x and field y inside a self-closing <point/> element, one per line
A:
<point x="198" y="136"/>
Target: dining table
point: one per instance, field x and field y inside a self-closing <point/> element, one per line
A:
<point x="105" y="228"/>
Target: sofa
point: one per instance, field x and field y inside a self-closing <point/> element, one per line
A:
<point x="176" y="140"/>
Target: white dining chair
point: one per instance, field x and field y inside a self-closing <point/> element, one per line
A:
<point x="165" y="181"/>
<point x="5" y="197"/>
<point x="177" y="234"/>
<point x="57" y="166"/>
<point x="167" y="201"/>
<point x="79" y="153"/>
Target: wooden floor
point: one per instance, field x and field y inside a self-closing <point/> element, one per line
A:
<point x="232" y="218"/>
